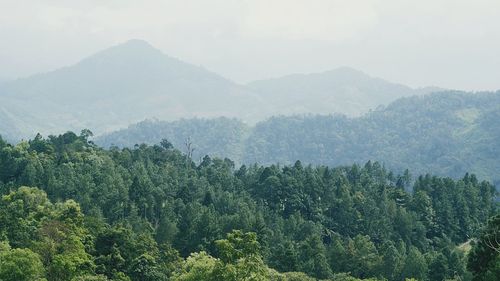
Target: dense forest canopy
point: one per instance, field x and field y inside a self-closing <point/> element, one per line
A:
<point x="446" y="134"/>
<point x="71" y="210"/>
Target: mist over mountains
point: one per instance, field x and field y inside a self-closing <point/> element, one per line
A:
<point x="252" y="140"/>
<point x="342" y="90"/>
<point x="333" y="118"/>
<point x="134" y="81"/>
<point x="120" y="85"/>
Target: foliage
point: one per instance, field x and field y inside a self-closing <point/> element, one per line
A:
<point x="446" y="134"/>
<point x="152" y="213"/>
<point x="20" y="265"/>
<point x="484" y="259"/>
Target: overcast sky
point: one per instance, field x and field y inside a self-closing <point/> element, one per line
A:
<point x="447" y="43"/>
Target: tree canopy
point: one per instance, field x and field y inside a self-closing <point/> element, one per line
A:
<point x="71" y="210"/>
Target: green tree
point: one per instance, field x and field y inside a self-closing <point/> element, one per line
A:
<point x="21" y="214"/>
<point x="415" y="265"/>
<point x="484" y="258"/>
<point x="237" y="245"/>
<point x="438" y="268"/>
<point x="145" y="268"/>
<point x="363" y="257"/>
<point x="91" y="278"/>
<point x="20" y="265"/>
<point x="313" y="259"/>
<point x="392" y="262"/>
<point x="198" y="266"/>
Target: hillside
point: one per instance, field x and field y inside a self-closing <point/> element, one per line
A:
<point x="342" y="90"/>
<point x="133" y="81"/>
<point x="119" y="86"/>
<point x="445" y="133"/>
<point x="221" y="137"/>
<point x="73" y="211"/>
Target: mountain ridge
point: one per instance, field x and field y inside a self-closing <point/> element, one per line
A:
<point x="119" y="86"/>
<point x="447" y="133"/>
<point x="321" y="92"/>
<point x="133" y="81"/>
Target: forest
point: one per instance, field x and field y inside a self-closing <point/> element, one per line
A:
<point x="446" y="134"/>
<point x="72" y="210"/>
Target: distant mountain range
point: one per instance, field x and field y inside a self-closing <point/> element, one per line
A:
<point x="447" y="134"/>
<point x="343" y="90"/>
<point x="120" y="85"/>
<point x="134" y="81"/>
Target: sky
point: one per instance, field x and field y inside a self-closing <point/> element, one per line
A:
<point x="447" y="43"/>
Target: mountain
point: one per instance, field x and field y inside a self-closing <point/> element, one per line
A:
<point x="343" y="90"/>
<point x="119" y="86"/>
<point x="134" y="81"/>
<point x="448" y="133"/>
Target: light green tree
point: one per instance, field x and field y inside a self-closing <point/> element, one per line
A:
<point x="20" y="265"/>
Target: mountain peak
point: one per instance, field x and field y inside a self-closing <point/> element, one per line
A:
<point x="129" y="49"/>
<point x="135" y="45"/>
<point x="347" y="70"/>
<point x="137" y="42"/>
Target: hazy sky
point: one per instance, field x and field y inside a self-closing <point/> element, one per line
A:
<point x="448" y="43"/>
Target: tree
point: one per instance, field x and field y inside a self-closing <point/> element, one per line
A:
<point x="20" y="265"/>
<point x="484" y="258"/>
<point x="318" y="220"/>
<point x="85" y="134"/>
<point x="422" y="205"/>
<point x="91" y="278"/>
<point x="169" y="260"/>
<point x="415" y="265"/>
<point x="61" y="241"/>
<point x="239" y="260"/>
<point x="145" y="268"/>
<point x="392" y="262"/>
<point x="198" y="266"/>
<point x="363" y="258"/>
<point x="438" y="268"/>
<point x="166" y="144"/>
<point x="21" y="214"/>
<point x="313" y="259"/>
<point x="237" y="245"/>
<point x="298" y="276"/>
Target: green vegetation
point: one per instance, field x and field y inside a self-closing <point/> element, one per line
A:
<point x="484" y="260"/>
<point x="220" y="137"/>
<point x="446" y="134"/>
<point x="71" y="210"/>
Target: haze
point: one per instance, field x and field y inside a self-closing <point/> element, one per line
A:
<point x="448" y="43"/>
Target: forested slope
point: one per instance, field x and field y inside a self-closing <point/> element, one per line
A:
<point x="221" y="137"/>
<point x="447" y="133"/>
<point x="151" y="213"/>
